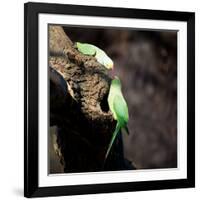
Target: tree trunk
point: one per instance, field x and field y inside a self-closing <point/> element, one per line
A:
<point x="79" y="88"/>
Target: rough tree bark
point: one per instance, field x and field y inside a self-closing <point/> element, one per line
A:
<point x="79" y="87"/>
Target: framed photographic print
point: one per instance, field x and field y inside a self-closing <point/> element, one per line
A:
<point x="109" y="99"/>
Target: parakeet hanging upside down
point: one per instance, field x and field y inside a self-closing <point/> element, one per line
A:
<point x="99" y="54"/>
<point x="119" y="109"/>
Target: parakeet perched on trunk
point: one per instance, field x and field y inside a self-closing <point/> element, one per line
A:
<point x="119" y="109"/>
<point x="99" y="54"/>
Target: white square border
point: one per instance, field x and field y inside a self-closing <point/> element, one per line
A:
<point x="180" y="172"/>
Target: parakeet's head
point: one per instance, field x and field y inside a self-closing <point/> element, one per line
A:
<point x="116" y="82"/>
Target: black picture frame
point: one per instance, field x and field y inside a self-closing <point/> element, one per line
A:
<point x="31" y="12"/>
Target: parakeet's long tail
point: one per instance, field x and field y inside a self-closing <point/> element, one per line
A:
<point x="117" y="129"/>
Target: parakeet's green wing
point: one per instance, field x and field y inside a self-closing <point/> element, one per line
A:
<point x="120" y="109"/>
<point x="86" y="49"/>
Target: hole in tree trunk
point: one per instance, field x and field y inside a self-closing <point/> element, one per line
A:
<point x="104" y="104"/>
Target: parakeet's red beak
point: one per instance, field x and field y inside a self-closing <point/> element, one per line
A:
<point x="112" y="72"/>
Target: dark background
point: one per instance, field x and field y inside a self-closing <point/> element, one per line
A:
<point x="146" y="63"/>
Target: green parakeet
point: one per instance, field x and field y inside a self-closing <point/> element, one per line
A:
<point x="99" y="54"/>
<point x="119" y="109"/>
